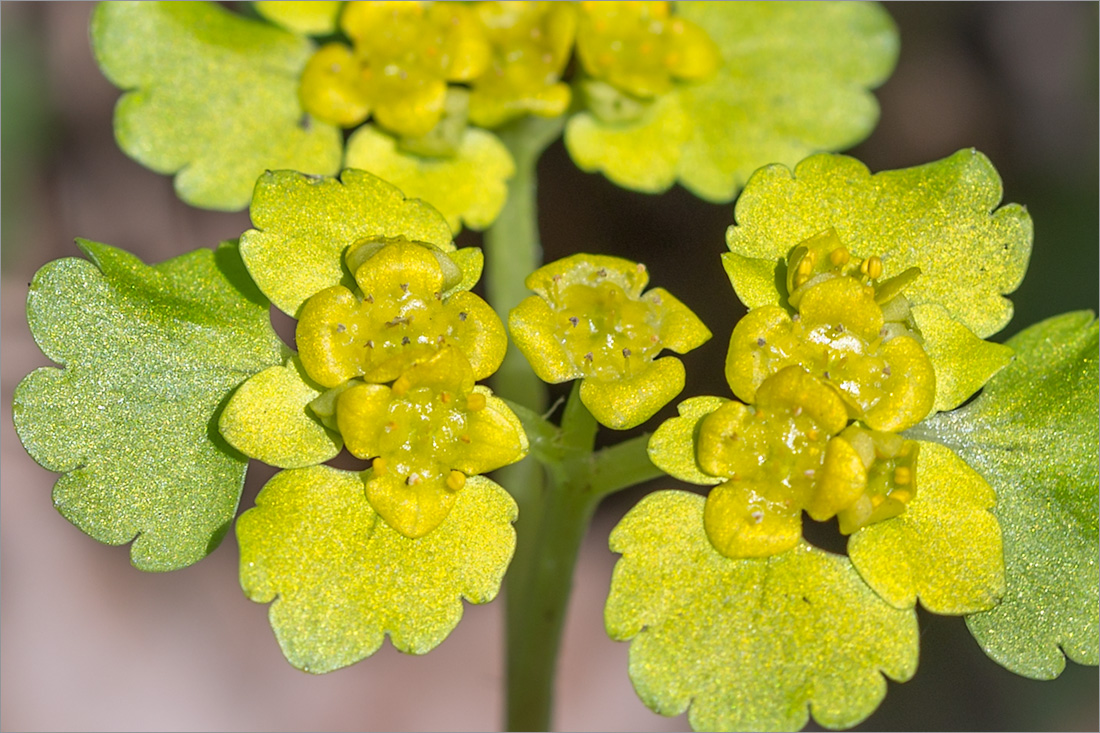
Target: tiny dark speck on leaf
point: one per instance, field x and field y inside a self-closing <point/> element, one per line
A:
<point x="305" y="122"/>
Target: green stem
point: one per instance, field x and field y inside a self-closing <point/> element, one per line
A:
<point x="541" y="587"/>
<point x="513" y="251"/>
<point x="555" y="507"/>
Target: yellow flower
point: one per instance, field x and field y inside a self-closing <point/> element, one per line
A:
<point x="590" y="320"/>
<point x="404" y="312"/>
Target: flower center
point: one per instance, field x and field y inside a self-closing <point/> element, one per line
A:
<point x="607" y="333"/>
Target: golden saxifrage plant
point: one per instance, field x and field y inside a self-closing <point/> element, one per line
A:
<point x="362" y="136"/>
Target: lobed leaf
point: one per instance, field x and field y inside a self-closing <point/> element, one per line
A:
<point x="469" y="188"/>
<point x="945" y="548"/>
<point x="793" y="81"/>
<point x="962" y="361"/>
<point x="149" y="356"/>
<point x="211" y="96"/>
<point x="940" y="217"/>
<point x="749" y="644"/>
<point x="268" y="418"/>
<point x="1033" y="434"/>
<point x="341" y="578"/>
<point x="304" y="224"/>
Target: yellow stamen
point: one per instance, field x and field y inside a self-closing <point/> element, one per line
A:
<point x="839" y="256"/>
<point x="378" y="466"/>
<point x="902" y="476"/>
<point x="872" y="267"/>
<point x="475" y="402"/>
<point x="456" y="480"/>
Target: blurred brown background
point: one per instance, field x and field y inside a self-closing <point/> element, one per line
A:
<point x="89" y="643"/>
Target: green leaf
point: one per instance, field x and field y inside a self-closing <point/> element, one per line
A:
<point x="939" y="217"/>
<point x="1033" y="434"/>
<point x="793" y="81"/>
<point x="211" y="96"/>
<point x="150" y="354"/>
<point x="315" y="18"/>
<point x="469" y="188"/>
<point x="749" y="644"/>
<point x="341" y="578"/>
<point x="962" y="361"/>
<point x="268" y="418"/>
<point x="945" y="548"/>
<point x="304" y="225"/>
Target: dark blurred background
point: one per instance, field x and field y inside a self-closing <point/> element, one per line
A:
<point x="89" y="643"/>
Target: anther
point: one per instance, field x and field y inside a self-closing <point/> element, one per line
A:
<point x="413" y="479"/>
<point x="405" y="341"/>
<point x="404" y="287"/>
<point x="574" y="320"/>
<point x="369" y="298"/>
<point x="626" y="353"/>
<point x="760" y="341"/>
<point x="872" y="267"/>
<point x="340" y="328"/>
<point x="475" y="401"/>
<point x="456" y="480"/>
<point x="902" y="476"/>
<point x="601" y="272"/>
<point x="378" y="465"/>
<point x="401" y="385"/>
<point x="462" y="316"/>
<point x="839" y="257"/>
<point x="588" y="356"/>
<point x="370" y="344"/>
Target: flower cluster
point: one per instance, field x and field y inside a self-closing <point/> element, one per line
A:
<point x="423" y="69"/>
<point x="411" y="322"/>
<point x="824" y="392"/>
<point x="590" y="320"/>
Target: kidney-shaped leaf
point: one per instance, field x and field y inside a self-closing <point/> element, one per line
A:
<point x="749" y="644"/>
<point x="1033" y="434"/>
<point x="150" y="354"/>
<point x="341" y="578"/>
<point x="940" y="217"/>
<point x="793" y="81"/>
<point x="211" y="96"/>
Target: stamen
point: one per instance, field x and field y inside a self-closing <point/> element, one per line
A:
<point x="456" y="480"/>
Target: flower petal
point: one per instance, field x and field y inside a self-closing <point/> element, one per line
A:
<point x="681" y="330"/>
<point x="479" y="334"/>
<point x="361" y="414"/>
<point x="496" y="438"/>
<point x="533" y="329"/>
<point x="626" y="403"/>
<point x="414" y="509"/>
